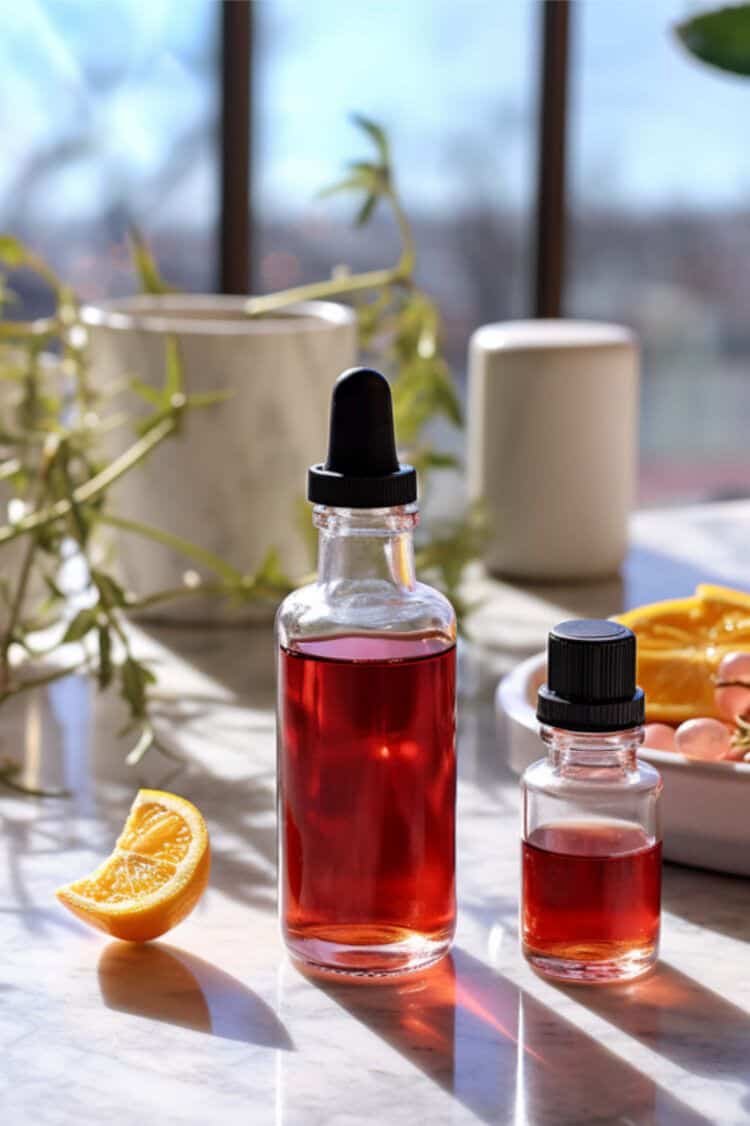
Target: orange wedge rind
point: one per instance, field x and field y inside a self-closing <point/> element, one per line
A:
<point x="155" y="875"/>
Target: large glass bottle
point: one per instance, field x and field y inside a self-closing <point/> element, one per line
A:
<point x="366" y="716"/>
<point x="591" y="853"/>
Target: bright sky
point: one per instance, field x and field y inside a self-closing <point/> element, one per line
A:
<point x="451" y="79"/>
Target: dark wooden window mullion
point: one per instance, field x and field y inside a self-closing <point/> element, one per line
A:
<point x="551" y="210"/>
<point x="236" y="146"/>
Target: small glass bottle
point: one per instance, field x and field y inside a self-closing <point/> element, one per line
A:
<point x="591" y="852"/>
<point x="366" y="716"/>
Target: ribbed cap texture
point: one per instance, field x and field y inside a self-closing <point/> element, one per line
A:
<point x="591" y="660"/>
<point x="591" y="678"/>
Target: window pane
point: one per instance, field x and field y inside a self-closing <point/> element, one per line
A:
<point x="661" y="236"/>
<point x="453" y="85"/>
<point x="109" y="118"/>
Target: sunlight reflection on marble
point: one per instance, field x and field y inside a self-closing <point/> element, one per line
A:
<point x="214" y="1025"/>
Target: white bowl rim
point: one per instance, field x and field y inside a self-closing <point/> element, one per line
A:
<point x="512" y="697"/>
<point x="171" y="312"/>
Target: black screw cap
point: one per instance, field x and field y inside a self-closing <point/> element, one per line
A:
<point x="591" y="678"/>
<point x="362" y="469"/>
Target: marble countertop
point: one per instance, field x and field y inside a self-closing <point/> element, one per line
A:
<point x="213" y="1025"/>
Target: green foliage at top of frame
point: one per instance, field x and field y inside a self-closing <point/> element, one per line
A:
<point x="720" y="38"/>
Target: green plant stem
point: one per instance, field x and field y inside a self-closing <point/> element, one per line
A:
<point x="93" y="487"/>
<point x="401" y="273"/>
<point x="41" y="681"/>
<point x="199" y="555"/>
<point x="23" y="330"/>
<point x="318" y="291"/>
<point x="25" y="573"/>
<point x="15" y="610"/>
<point x="8" y="770"/>
<point x="80" y="539"/>
<point x="175" y="594"/>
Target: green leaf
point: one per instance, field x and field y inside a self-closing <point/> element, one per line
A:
<point x="271" y="573"/>
<point x="451" y="547"/>
<point x="376" y="133"/>
<point x="269" y="581"/>
<point x="12" y="252"/>
<point x="423" y="390"/>
<point x="134" y="679"/>
<point x="83" y="622"/>
<point x="150" y="394"/>
<point x="209" y="398"/>
<point x="360" y="181"/>
<point x="720" y="38"/>
<point x="110" y="591"/>
<point x="426" y="459"/>
<point x="53" y="588"/>
<point x="149" y="277"/>
<point x="67" y="305"/>
<point x="8" y="296"/>
<point x="365" y="166"/>
<point x="105" y="657"/>
<point x="366" y="210"/>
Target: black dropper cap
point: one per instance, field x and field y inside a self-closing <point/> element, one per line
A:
<point x="591" y="678"/>
<point x="362" y="469"/>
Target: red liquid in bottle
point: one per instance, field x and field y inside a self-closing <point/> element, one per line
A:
<point x="367" y="797"/>
<point x="591" y="894"/>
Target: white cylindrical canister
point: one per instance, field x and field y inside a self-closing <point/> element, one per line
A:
<point x="552" y="444"/>
<point x="233" y="481"/>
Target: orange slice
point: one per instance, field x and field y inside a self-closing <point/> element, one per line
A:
<point x="678" y="684"/>
<point x="666" y="625"/>
<point x="155" y="875"/>
<point x="730" y="612"/>
<point x="680" y="645"/>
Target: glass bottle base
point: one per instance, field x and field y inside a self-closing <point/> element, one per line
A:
<point x="368" y="952"/>
<point x="599" y="963"/>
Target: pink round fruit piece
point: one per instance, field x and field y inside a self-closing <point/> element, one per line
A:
<point x="732" y="700"/>
<point x="706" y="739"/>
<point x="735" y="666"/>
<point x="659" y="736"/>
<point x="732" y="692"/>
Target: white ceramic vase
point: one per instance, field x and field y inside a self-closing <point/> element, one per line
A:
<point x="552" y="444"/>
<point x="233" y="480"/>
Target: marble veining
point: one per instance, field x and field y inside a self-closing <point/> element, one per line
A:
<point x="214" y="1025"/>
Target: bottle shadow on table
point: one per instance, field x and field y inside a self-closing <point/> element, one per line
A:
<point x="162" y="983"/>
<point x="678" y="1018"/>
<point x="501" y="1053"/>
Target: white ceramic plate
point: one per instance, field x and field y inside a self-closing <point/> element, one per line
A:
<point x="705" y="805"/>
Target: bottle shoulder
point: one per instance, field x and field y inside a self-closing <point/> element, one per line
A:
<point x="545" y="776"/>
<point x="322" y="609"/>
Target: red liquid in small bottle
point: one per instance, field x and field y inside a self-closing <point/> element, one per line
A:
<point x="591" y="894"/>
<point x="367" y="772"/>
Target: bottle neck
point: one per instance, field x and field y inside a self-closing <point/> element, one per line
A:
<point x="366" y="544"/>
<point x="606" y="750"/>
